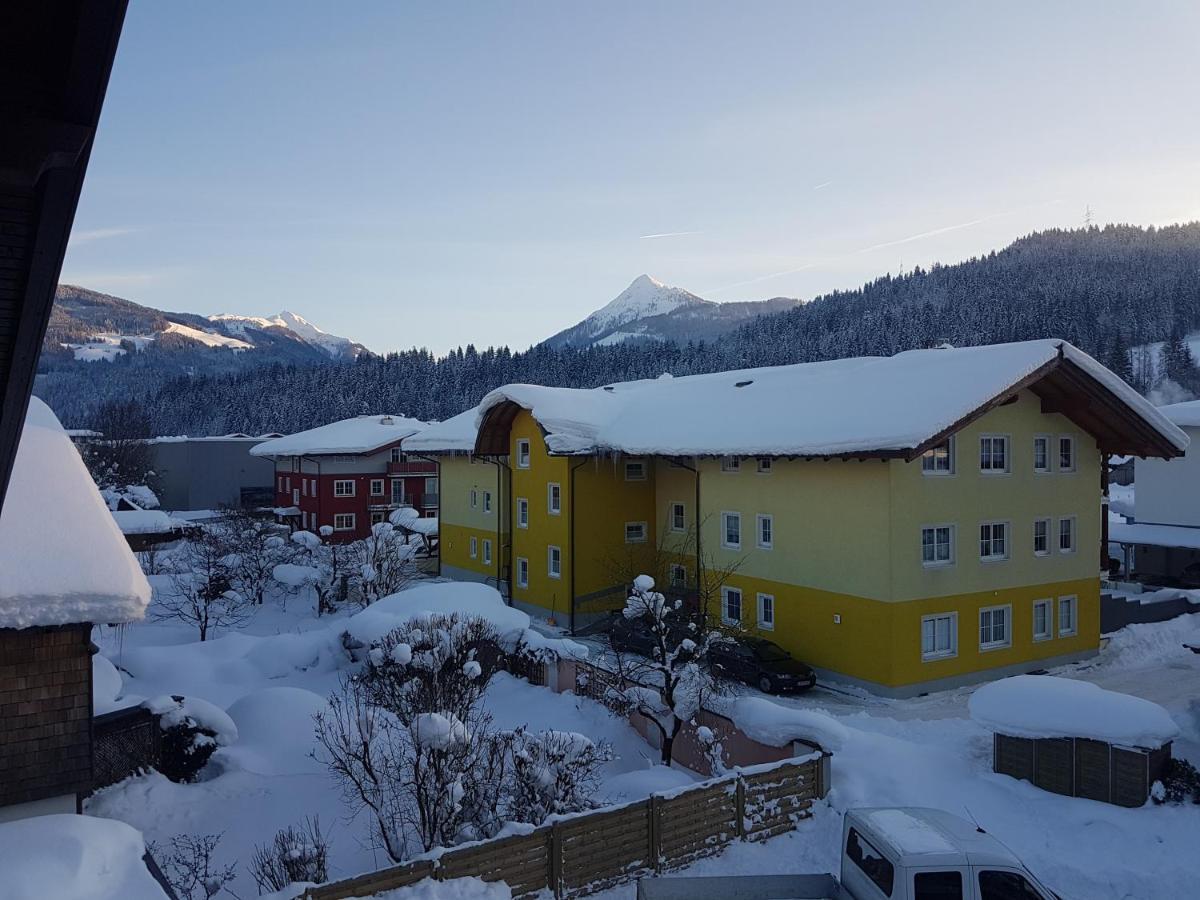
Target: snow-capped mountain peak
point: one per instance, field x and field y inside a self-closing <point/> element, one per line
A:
<point x="303" y="329"/>
<point x="645" y="297"/>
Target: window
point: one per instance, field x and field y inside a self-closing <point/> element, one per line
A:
<point x="1066" y="616"/>
<point x="678" y="517"/>
<point x="377" y="517"/>
<point x="1041" y="537"/>
<point x="522" y="572"/>
<point x="287" y="483"/>
<point x="766" y="612"/>
<point x="994" y="885"/>
<point x="1041" y="620"/>
<point x="939" y="460"/>
<point x="431" y="487"/>
<point x="474" y="547"/>
<point x="939" y="636"/>
<point x="487" y="501"/>
<point x="396" y="456"/>
<point x="870" y="861"/>
<point x="731" y="606"/>
<point x="523" y="454"/>
<point x="1041" y="453"/>
<point x="731" y="530"/>
<point x="766" y="531"/>
<point x="1066" y="535"/>
<point x="304" y="487"/>
<point x="398" y="491"/>
<point x="730" y="464"/>
<point x="487" y="552"/>
<point x="947" y="885"/>
<point x="635" y="471"/>
<point x="343" y="488"/>
<point x="1066" y="453"/>
<point x="764" y="465"/>
<point x="304" y="519"/>
<point x="993" y="540"/>
<point x="993" y="454"/>
<point x="554" y="562"/>
<point x="474" y="498"/>
<point x="295" y="496"/>
<point x="281" y="488"/>
<point x="522" y="512"/>
<point x="994" y="624"/>
<point x="937" y="545"/>
<point x="554" y="498"/>
<point x="678" y="576"/>
<point x="635" y="532"/>
<point x="313" y="487"/>
<point x="376" y="487"/>
<point x="343" y="521"/>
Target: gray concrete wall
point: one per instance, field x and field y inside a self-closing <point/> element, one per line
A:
<point x="209" y="473"/>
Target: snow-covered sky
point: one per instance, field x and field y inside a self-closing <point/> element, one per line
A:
<point x="436" y="174"/>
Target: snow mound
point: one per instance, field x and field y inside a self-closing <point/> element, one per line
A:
<point x="275" y="731"/>
<point x="425" y="600"/>
<point x="641" y="783"/>
<point x="777" y="726"/>
<point x="106" y="685"/>
<point x="172" y="712"/>
<point x="1043" y="706"/>
<point x="74" y="858"/>
<point x="454" y="889"/>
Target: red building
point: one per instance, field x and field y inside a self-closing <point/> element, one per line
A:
<point x="350" y="474"/>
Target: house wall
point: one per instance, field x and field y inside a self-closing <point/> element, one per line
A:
<point x="1168" y="491"/>
<point x="460" y="521"/>
<point x="209" y="473"/>
<point x="544" y="595"/>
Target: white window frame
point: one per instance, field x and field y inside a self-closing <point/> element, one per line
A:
<point x="474" y="548"/>
<point x="552" y="507"/>
<point x="487" y="551"/>
<point x="522" y="572"/>
<point x="991" y="525"/>
<point x="1071" y="602"/>
<point x="551" y="570"/>
<point x="726" y="592"/>
<point x="396" y="454"/>
<point x="765" y="465"/>
<point x="1043" y="470"/>
<point x="353" y="522"/>
<point x="725" y="542"/>
<point x="1074" y="444"/>
<point x="769" y="521"/>
<point x="1007" y="454"/>
<point x="474" y="498"/>
<point x="639" y="466"/>
<point x="1074" y="523"/>
<point x="1047" y="605"/>
<point x="681" y="571"/>
<point x="295" y="496"/>
<point x="522" y="512"/>
<point x="524" y="456"/>
<point x="1049" y="523"/>
<point x="487" y="502"/>
<point x="935" y="654"/>
<point x="303" y="487"/>
<point x="636" y="540"/>
<point x="376" y="487"/>
<point x="930" y="458"/>
<point x="936" y="563"/>
<point x="731" y="464"/>
<point x="765" y="602"/>
<point x="343" y="481"/>
<point x="678" y="505"/>
<point x="994" y="644"/>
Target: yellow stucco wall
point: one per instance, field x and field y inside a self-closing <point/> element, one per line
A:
<point x="460" y="521"/>
<point x="545" y="529"/>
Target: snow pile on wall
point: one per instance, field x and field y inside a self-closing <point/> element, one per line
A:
<point x="1043" y="706"/>
<point x="777" y="726"/>
<point x="74" y="858"/>
<point x="62" y="557"/>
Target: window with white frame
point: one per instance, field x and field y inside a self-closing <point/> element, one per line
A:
<point x="554" y="562"/>
<point x="287" y="483"/>
<point x="635" y="470"/>
<point x="1041" y="453"/>
<point x="635" y="532"/>
<point x="993" y="454"/>
<point x="993" y="540"/>
<point x="937" y="545"/>
<point x="1067" y="624"/>
<point x="522" y="572"/>
<point x="431" y="488"/>
<point x="731" y="605"/>
<point x="678" y="575"/>
<point x="281" y="488"/>
<point x="376" y="487"/>
<point x="487" y="552"/>
<point x="1066" y="535"/>
<point x="939" y="636"/>
<point x="303" y="519"/>
<point x="994" y="624"/>
<point x="304" y="487"/>
<point x="343" y="487"/>
<point x="731" y="530"/>
<point x="766" y="531"/>
<point x="343" y="521"/>
<point x="295" y="496"/>
<point x="1041" y="537"/>
<point x="523" y="454"/>
<point x="939" y="460"/>
<point x="378" y="517"/>
<point x="1066" y="453"/>
<point x="1042" y="623"/>
<point x="678" y="516"/>
<point x="522" y="512"/>
<point x="554" y="498"/>
<point x="474" y="548"/>
<point x="766" y="612"/>
<point x="474" y="498"/>
<point x="487" y="501"/>
<point x="764" y="465"/>
<point x="731" y="464"/>
<point x="396" y="456"/>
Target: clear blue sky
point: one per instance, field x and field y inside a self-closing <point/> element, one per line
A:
<point x="435" y="174"/>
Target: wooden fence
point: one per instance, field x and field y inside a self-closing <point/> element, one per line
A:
<point x="578" y="855"/>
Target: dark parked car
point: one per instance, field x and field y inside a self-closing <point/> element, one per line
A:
<point x="761" y="663"/>
<point x="635" y="635"/>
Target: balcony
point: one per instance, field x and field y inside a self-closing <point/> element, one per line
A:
<point x="412" y="467"/>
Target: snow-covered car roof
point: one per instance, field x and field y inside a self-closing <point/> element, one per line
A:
<point x="456" y="433"/>
<point x="866" y="405"/>
<point x="63" y="559"/>
<point x="922" y="836"/>
<point x="362" y="434"/>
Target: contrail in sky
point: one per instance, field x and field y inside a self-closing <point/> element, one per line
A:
<point x="823" y="184"/>
<point x="649" y="237"/>
<point x="97" y="234"/>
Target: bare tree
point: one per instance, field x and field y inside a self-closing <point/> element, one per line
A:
<point x="189" y="867"/>
<point x="553" y="772"/>
<point x="298" y="854"/>
<point x="329" y="564"/>
<point x="257" y="547"/>
<point x="121" y="457"/>
<point x="202" y="590"/>
<point x="382" y="563"/>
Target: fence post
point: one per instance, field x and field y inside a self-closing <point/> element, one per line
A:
<point x="739" y="806"/>
<point x="654" y="811"/>
<point x="556" y="861"/>
<point x="824" y="767"/>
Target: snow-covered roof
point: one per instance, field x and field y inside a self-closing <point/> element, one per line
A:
<point x="845" y="406"/>
<point x="1185" y="415"/>
<point x="362" y="434"/>
<point x="145" y="521"/>
<point x="1044" y="706"/>
<point x="63" y="559"/>
<point x="1180" y="536"/>
<point x="456" y="433"/>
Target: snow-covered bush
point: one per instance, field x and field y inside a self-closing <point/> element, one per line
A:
<point x="1180" y="783"/>
<point x="202" y="591"/>
<point x="298" y="854"/>
<point x="320" y="565"/>
<point x="188" y="865"/>
<point x="381" y="563"/>
<point x="552" y="772"/>
<point x="255" y="547"/>
<point x="192" y="730"/>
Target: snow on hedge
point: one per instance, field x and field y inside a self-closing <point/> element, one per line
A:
<point x="196" y="712"/>
<point x="777" y="726"/>
<point x="70" y="857"/>
<point x="1044" y="706"/>
<point x="362" y="434"/>
<point x="62" y="557"/>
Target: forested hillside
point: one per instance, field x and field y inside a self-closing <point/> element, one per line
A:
<point x="1106" y="290"/>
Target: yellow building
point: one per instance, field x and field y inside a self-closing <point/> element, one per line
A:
<point x="905" y="524"/>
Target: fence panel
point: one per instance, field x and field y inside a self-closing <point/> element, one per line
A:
<point x="374" y="882"/>
<point x="123" y="743"/>
<point x="1054" y="765"/>
<point x="698" y="822"/>
<point x="604" y="848"/>
<point x="522" y="862"/>
<point x="776" y="799"/>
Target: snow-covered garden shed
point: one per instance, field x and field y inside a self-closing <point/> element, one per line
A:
<point x="1074" y="738"/>
<point x="64" y="566"/>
